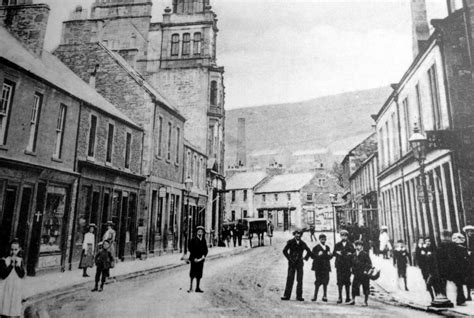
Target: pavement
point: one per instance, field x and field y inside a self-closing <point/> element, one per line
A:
<point x="55" y="284"/>
<point x="392" y="291"/>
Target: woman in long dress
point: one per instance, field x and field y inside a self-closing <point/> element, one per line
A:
<point x="87" y="256"/>
<point x="12" y="272"/>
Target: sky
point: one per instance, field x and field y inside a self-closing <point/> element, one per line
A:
<point x="278" y="51"/>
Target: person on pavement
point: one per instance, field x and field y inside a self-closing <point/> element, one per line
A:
<point x="445" y="260"/>
<point x="110" y="235"/>
<point x="384" y="239"/>
<point x="311" y="233"/>
<point x="240" y="229"/>
<point x="343" y="251"/>
<point x="461" y="269"/>
<point x="418" y="257"/>
<point x="87" y="256"/>
<point x="12" y="272"/>
<point x="470" y="273"/>
<point x="293" y="252"/>
<point x="429" y="270"/>
<point x="321" y="255"/>
<point x="104" y="261"/>
<point x="400" y="259"/>
<point x="361" y="264"/>
<point x="197" y="255"/>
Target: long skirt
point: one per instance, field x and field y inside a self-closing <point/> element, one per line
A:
<point x="11" y="294"/>
<point x="196" y="269"/>
<point x="87" y="258"/>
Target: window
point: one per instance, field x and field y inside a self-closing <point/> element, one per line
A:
<point x="175" y="45"/>
<point x="264" y="198"/>
<point x="395" y="134"/>
<point x="197" y="43"/>
<point x="128" y="143"/>
<point x="92" y="134"/>
<point x="309" y="197"/>
<point x="288" y="196"/>
<point x="35" y="117"/>
<point x="168" y="156"/>
<point x="178" y="136"/>
<point x="233" y="195"/>
<point x="110" y="143"/>
<point x="245" y="214"/>
<point x="434" y="90"/>
<point x="201" y="174"/>
<point x="159" y="140"/>
<point x="186" y="44"/>
<point x="321" y="182"/>
<point x="233" y="215"/>
<point x="5" y="105"/>
<point x="245" y="195"/>
<point x="276" y="196"/>
<point x="60" y="127"/>
<point x="214" y="93"/>
<point x="418" y="101"/>
<point x="406" y="115"/>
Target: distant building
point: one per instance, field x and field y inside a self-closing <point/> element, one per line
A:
<point x="240" y="195"/>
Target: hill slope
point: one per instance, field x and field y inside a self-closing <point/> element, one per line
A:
<point x="337" y="121"/>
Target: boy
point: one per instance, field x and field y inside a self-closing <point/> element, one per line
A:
<point x="400" y="259"/>
<point x="104" y="261"/>
<point x="321" y="255"/>
<point x="343" y="251"/>
<point x="361" y="264"/>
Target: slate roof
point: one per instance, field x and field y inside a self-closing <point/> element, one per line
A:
<point x="51" y="69"/>
<point x="286" y="183"/>
<point x="245" y="180"/>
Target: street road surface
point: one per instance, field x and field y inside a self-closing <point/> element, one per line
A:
<point x="249" y="284"/>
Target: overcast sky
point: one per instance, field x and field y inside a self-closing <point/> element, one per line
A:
<point x="277" y="51"/>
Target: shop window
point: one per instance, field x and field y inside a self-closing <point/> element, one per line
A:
<point x="53" y="220"/>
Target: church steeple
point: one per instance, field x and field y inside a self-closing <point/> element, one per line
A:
<point x="189" y="6"/>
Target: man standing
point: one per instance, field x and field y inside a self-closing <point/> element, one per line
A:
<point x="343" y="251"/>
<point x="293" y="251"/>
<point x="197" y="255"/>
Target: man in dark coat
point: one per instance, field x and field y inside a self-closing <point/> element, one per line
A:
<point x="361" y="264"/>
<point x="197" y="255"/>
<point x="445" y="259"/>
<point x="343" y="251"/>
<point x="429" y="269"/>
<point x="321" y="255"/>
<point x="293" y="251"/>
<point x="460" y="271"/>
<point x="400" y="260"/>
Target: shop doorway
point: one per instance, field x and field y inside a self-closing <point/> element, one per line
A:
<point x="7" y="220"/>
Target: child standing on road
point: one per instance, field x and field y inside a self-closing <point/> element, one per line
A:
<point x="361" y="264"/>
<point x="104" y="262"/>
<point x="321" y="255"/>
<point x="12" y="272"/>
<point x="400" y="259"/>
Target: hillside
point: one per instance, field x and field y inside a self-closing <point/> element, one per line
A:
<point x="338" y="122"/>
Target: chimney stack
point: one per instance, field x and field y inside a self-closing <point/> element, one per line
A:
<point x="241" y="143"/>
<point x="420" y="26"/>
<point x="27" y="22"/>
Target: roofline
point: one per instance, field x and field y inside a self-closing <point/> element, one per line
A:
<point x="363" y="164"/>
<point x="349" y="153"/>
<point x="432" y="42"/>
<point x="187" y="144"/>
<point x="130" y="123"/>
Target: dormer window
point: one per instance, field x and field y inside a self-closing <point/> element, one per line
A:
<point x="186" y="44"/>
<point x="175" y="45"/>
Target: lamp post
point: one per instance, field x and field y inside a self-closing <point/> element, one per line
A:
<point x="188" y="184"/>
<point x="419" y="143"/>
<point x="333" y="199"/>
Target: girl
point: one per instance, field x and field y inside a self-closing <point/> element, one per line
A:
<point x="12" y="271"/>
<point x="87" y="257"/>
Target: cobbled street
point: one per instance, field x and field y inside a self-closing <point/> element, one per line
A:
<point x="249" y="284"/>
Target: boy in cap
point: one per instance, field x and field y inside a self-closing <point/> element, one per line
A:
<point x="343" y="252"/>
<point x="293" y="251"/>
<point x="104" y="261"/>
<point x="361" y="264"/>
<point x="197" y="255"/>
<point x="400" y="259"/>
<point x="321" y="255"/>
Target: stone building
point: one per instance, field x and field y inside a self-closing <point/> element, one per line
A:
<point x="163" y="124"/>
<point x="178" y="58"/>
<point x="42" y="154"/>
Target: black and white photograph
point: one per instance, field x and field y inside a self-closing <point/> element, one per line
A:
<point x="236" y="158"/>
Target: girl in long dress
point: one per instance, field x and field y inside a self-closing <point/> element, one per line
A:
<point x="12" y="273"/>
<point x="87" y="256"/>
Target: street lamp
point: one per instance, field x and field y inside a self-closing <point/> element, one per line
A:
<point x="333" y="199"/>
<point x="419" y="145"/>
<point x="188" y="184"/>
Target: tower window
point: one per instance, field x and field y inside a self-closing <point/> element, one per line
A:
<point x="197" y="43"/>
<point x="175" y="45"/>
<point x="214" y="93"/>
<point x="186" y="44"/>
